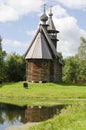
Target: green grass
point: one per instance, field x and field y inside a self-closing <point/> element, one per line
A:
<point x="71" y="118"/>
<point x="37" y="93"/>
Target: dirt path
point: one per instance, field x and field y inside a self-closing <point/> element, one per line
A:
<point x="22" y="127"/>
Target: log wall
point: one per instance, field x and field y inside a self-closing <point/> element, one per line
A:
<point x="43" y="71"/>
<point x="55" y="71"/>
<point x="38" y="70"/>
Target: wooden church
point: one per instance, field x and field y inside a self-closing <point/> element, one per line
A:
<point x="43" y="63"/>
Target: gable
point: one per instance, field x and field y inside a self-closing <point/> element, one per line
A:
<point x="39" y="48"/>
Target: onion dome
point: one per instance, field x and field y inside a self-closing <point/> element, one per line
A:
<point x="44" y="18"/>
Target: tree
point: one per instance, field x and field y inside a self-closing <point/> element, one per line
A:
<point x="82" y="70"/>
<point x="82" y="49"/>
<point x="75" y="67"/>
<point x="81" y="57"/>
<point x="12" y="67"/>
<point x="2" y="65"/>
<point x="15" y="67"/>
<point x="70" y="70"/>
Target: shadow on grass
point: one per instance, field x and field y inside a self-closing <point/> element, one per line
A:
<point x="56" y="83"/>
<point x="0" y="85"/>
<point x="70" y="84"/>
<point x="8" y="83"/>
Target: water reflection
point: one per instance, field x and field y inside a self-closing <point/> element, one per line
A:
<point x="11" y="113"/>
<point x="37" y="114"/>
<point x="15" y="115"/>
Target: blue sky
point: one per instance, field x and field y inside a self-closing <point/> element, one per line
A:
<point x="19" y="20"/>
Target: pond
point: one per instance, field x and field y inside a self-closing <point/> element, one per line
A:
<point x="15" y="115"/>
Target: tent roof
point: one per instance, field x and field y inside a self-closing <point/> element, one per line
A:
<point x="41" y="46"/>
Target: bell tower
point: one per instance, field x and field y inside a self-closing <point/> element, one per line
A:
<point x="52" y="30"/>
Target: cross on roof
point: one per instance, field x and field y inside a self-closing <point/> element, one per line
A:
<point x="44" y="8"/>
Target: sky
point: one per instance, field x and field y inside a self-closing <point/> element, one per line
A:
<point x="19" y="21"/>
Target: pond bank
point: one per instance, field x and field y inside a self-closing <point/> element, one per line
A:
<point x="73" y="117"/>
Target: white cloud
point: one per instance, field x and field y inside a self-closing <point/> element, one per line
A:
<point x="11" y="10"/>
<point x="77" y="4"/>
<point x="14" y="46"/>
<point x="7" y="13"/>
<point x="59" y="11"/>
<point x="70" y="33"/>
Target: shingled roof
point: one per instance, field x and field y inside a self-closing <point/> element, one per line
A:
<point x="41" y="46"/>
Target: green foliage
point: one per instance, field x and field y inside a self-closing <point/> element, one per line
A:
<point x="74" y="69"/>
<point x="70" y="70"/>
<point x="15" y="67"/>
<point x="12" y="67"/>
<point x="81" y="57"/>
<point x="82" y="70"/>
<point x="82" y="49"/>
<point x="2" y="65"/>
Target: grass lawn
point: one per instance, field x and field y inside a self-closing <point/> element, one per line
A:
<point x="71" y="118"/>
<point x="44" y="94"/>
